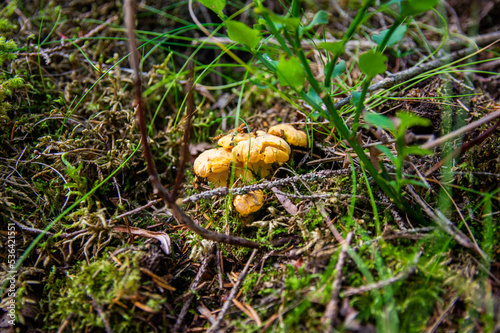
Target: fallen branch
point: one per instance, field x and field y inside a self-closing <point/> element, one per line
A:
<point x="414" y="71"/>
<point x="232" y="294"/>
<point x="446" y="225"/>
<point x="462" y="130"/>
<point x="461" y="150"/>
<point x="332" y="308"/>
<point x="266" y="185"/>
<point x="167" y="197"/>
<point x="193" y="286"/>
<point x="382" y="284"/>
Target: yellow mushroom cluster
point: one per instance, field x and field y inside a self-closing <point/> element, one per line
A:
<point x="253" y="155"/>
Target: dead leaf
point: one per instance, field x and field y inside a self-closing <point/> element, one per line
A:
<point x="144" y="307"/>
<point x="285" y="202"/>
<point x="160" y="236"/>
<point x="248" y="310"/>
<point x="157" y="279"/>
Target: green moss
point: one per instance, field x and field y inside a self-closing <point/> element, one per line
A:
<point x="102" y="284"/>
<point x="7" y="50"/>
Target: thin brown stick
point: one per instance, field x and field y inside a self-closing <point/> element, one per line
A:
<point x="232" y="294"/>
<point x="443" y="316"/>
<point x="137" y="210"/>
<point x="462" y="130"/>
<point x="330" y="225"/>
<point x="265" y="185"/>
<point x="446" y="225"/>
<point x="193" y="286"/>
<point x="184" y="156"/>
<point x="65" y="323"/>
<point x="414" y="71"/>
<point x="332" y="308"/>
<point x="220" y="267"/>
<point x="381" y="284"/>
<point x="465" y="147"/>
<point x="206" y="312"/>
<point x="168" y="198"/>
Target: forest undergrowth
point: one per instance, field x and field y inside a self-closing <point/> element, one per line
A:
<point x="385" y="220"/>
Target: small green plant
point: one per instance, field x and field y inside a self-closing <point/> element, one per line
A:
<point x="404" y="121"/>
<point x="292" y="67"/>
<point x="78" y="186"/>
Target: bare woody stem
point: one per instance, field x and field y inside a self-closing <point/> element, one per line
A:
<point x="167" y="197"/>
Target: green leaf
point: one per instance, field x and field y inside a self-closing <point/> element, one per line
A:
<point x="216" y="5"/>
<point x="355" y="98"/>
<point x="398" y="34"/>
<point x="372" y="63"/>
<point x="403" y="182"/>
<point x="388" y="153"/>
<point x="414" y="7"/>
<point x="380" y="120"/>
<point x="416" y="150"/>
<point x="290" y="72"/>
<point x="338" y="69"/>
<point x="336" y="48"/>
<point x="241" y="33"/>
<point x="314" y="96"/>
<point x="321" y="17"/>
<point x="292" y="23"/>
<point x="409" y="119"/>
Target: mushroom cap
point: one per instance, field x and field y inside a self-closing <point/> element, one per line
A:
<point x="231" y="139"/>
<point x="214" y="164"/>
<point x="290" y="134"/>
<point x="249" y="203"/>
<point x="263" y="147"/>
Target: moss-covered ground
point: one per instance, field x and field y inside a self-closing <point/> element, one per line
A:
<point x="97" y="251"/>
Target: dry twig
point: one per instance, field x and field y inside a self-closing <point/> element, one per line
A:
<point x="265" y="185"/>
<point x="382" y="284"/>
<point x="414" y="71"/>
<point x="232" y="294"/>
<point x="446" y="225"/>
<point x="168" y="197"/>
<point x="332" y="308"/>
<point x="193" y="286"/>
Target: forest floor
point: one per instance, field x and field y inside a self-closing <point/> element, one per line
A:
<point x="394" y="227"/>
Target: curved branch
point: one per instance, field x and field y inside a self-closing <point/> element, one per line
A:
<point x="167" y="197"/>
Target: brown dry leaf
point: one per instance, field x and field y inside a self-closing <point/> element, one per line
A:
<point x="144" y="307"/>
<point x="157" y="279"/>
<point x="285" y="202"/>
<point x="158" y="235"/>
<point x="248" y="310"/>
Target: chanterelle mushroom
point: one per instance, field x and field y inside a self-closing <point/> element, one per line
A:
<point x="254" y="155"/>
<point x="214" y="164"/>
<point x="263" y="147"/>
<point x="231" y="139"/>
<point x="290" y="134"/>
<point x="249" y="203"/>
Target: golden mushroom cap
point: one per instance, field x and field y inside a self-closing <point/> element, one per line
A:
<point x="214" y="164"/>
<point x="264" y="147"/>
<point x="249" y="203"/>
<point x="231" y="139"/>
<point x="291" y="135"/>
